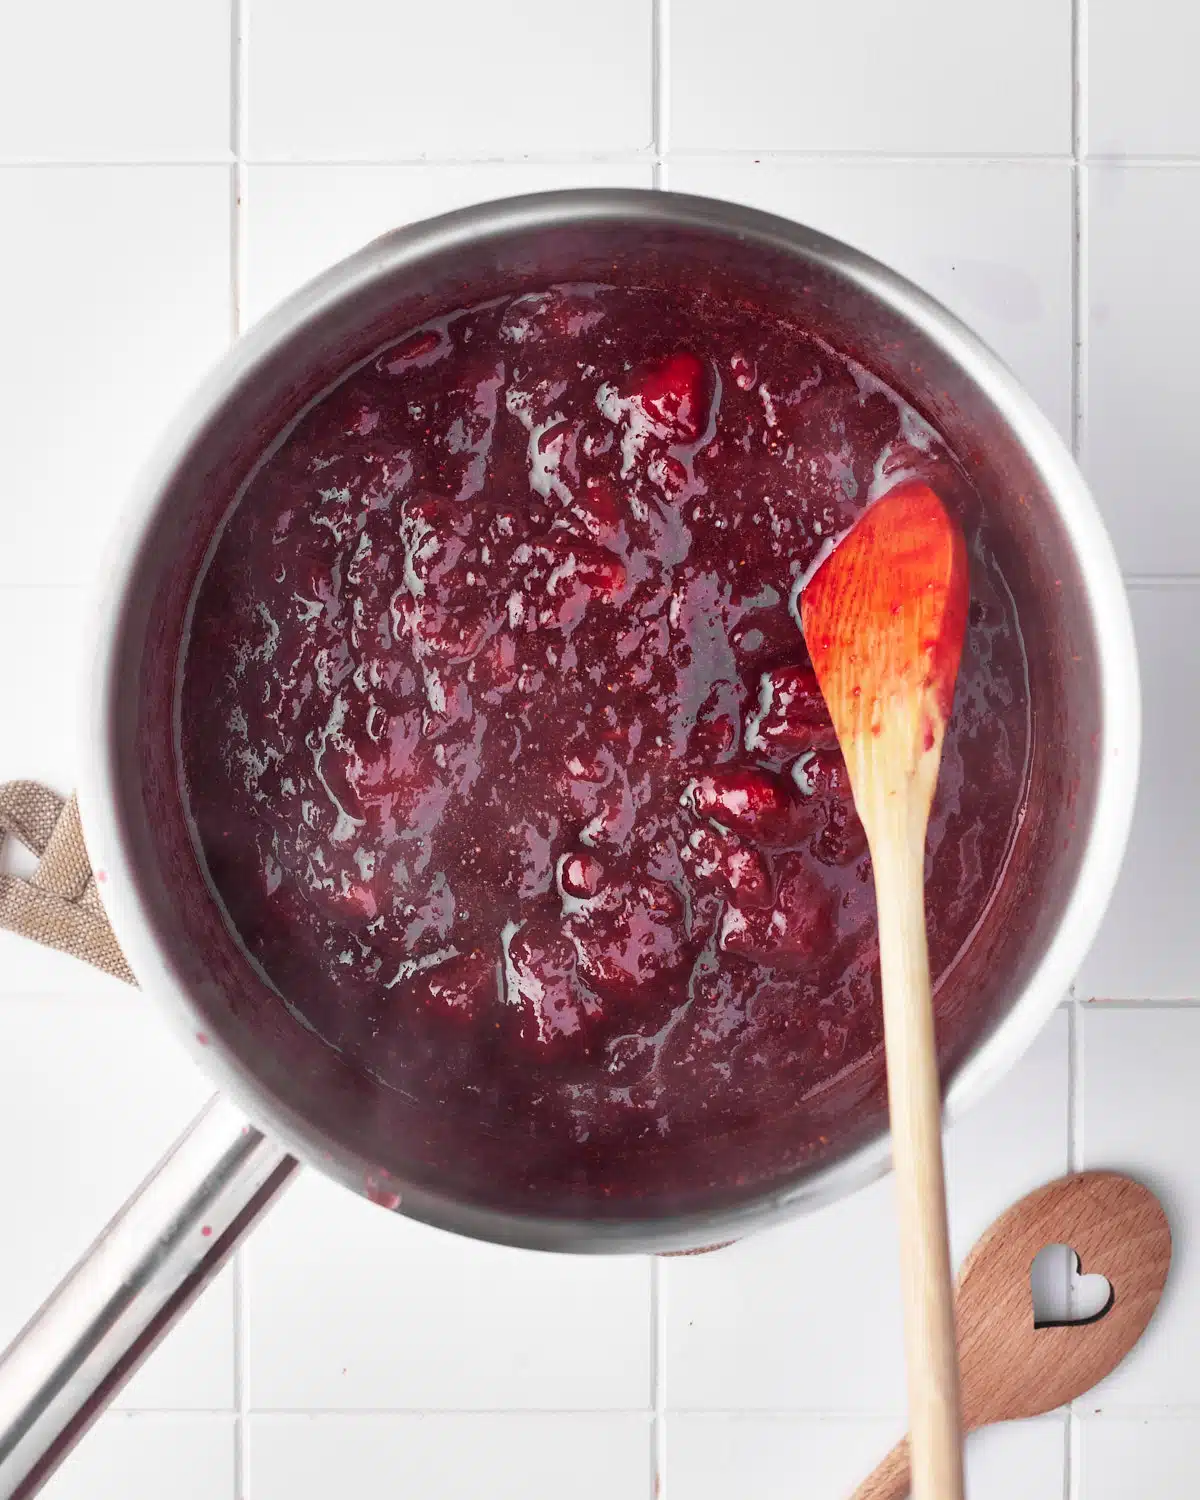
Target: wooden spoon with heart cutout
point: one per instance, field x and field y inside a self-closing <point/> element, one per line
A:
<point x="883" y="619"/>
<point x="1012" y="1368"/>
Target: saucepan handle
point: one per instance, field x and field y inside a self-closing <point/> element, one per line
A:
<point x="152" y="1260"/>
<point x="167" y="1242"/>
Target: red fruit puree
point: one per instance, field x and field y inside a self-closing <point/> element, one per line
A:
<point x="502" y="743"/>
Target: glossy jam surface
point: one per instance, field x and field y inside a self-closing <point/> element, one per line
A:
<point x="503" y="746"/>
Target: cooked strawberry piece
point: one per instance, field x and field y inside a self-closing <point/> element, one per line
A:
<point x="598" y="512"/>
<point x="440" y="634"/>
<point x="758" y="804"/>
<point x="416" y="347"/>
<point x="495" y="668"/>
<point x="353" y="901"/>
<point x="676" y="395"/>
<point x="614" y="817"/>
<point x="794" y="930"/>
<point x="843" y="839"/>
<point x="748" y="878"/>
<point x="550" y="1010"/>
<point x="580" y="874"/>
<point x="667" y="474"/>
<point x="600" y="570"/>
<point x="792" y="715"/>
<point x="462" y="989"/>
<point x="715" y="736"/>
<point x="639" y="943"/>
<point x="587" y="763"/>
<point x="744" y="371"/>
<point x="723" y="861"/>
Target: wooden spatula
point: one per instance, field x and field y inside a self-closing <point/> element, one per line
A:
<point x="1012" y="1368"/>
<point x="883" y="619"/>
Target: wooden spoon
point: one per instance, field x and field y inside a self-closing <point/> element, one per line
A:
<point x="883" y="618"/>
<point x="1010" y="1367"/>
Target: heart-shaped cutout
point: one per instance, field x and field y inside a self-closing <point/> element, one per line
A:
<point x="1062" y="1294"/>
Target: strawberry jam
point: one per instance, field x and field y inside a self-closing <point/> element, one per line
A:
<point x="502" y="745"/>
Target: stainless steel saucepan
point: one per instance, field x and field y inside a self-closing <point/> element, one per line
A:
<point x="305" y="1103"/>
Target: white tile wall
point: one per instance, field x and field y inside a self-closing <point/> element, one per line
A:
<point x="1148" y="1455"/>
<point x="1149" y="944"/>
<point x="1143" y="319"/>
<point x="114" y="300"/>
<point x="773" y="1456"/>
<point x="932" y="76"/>
<point x="508" y="1456"/>
<point x="130" y="80"/>
<point x="1140" y="80"/>
<point x="367" y="80"/>
<point x="349" y="1308"/>
<point x="169" y="171"/>
<point x="159" y="1456"/>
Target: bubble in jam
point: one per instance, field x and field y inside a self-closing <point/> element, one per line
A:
<point x="501" y="739"/>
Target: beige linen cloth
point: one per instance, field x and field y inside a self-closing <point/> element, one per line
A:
<point x="59" y="904"/>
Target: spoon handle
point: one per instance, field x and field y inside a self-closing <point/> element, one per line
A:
<point x="890" y="1480"/>
<point x="897" y="834"/>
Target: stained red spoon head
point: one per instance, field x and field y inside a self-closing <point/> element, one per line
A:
<point x="884" y="618"/>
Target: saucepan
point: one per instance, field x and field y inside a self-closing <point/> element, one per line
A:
<point x="285" y="1095"/>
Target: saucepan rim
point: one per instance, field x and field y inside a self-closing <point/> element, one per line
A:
<point x="1119" y="709"/>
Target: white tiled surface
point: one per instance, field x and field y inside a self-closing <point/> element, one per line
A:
<point x="1149" y="1455"/>
<point x="158" y="1455"/>
<point x="130" y="80"/>
<point x="1150" y="942"/>
<point x="1139" y="444"/>
<point x="381" y="81"/>
<point x="503" y="1455"/>
<point x="929" y="76"/>
<point x="115" y="290"/>
<point x="1141" y="81"/>
<point x="452" y="1324"/>
<point x="782" y="1456"/>
<point x="169" y="171"/>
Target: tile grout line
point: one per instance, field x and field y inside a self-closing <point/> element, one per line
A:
<point x="1070" y="1466"/>
<point x="237" y="257"/>
<point x="658" y="1446"/>
<point x="817" y="1416"/>
<point x="240" y="1486"/>
<point x="1079" y="318"/>
<point x="1077" y="309"/>
<point x="660" y="20"/>
<point x="1099" y="1003"/>
<point x="761" y="155"/>
<point x="1074" y="1086"/>
<point x="1080" y="279"/>
<point x="237" y="144"/>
